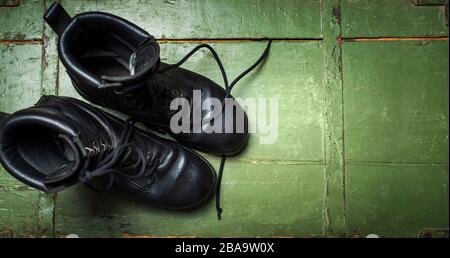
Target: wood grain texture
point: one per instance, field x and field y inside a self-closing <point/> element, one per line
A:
<point x="396" y="101"/>
<point x="394" y="200"/>
<point x="20" y="76"/>
<point x="363" y="118"/>
<point x="335" y="199"/>
<point x="299" y="69"/>
<point x="387" y="18"/>
<point x="254" y="187"/>
<point x="255" y="198"/>
<point x="214" y="18"/>
<point x="23" y="22"/>
<point x="19" y="88"/>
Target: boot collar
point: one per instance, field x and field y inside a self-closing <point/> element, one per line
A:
<point x="143" y="61"/>
<point x="24" y="170"/>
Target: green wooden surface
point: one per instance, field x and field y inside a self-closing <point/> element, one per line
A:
<point x="252" y="207"/>
<point x="300" y="137"/>
<point x="393" y="118"/>
<point x="23" y="22"/>
<point x="398" y="199"/>
<point x="214" y="18"/>
<point x="19" y="88"/>
<point x="363" y="126"/>
<point x="335" y="200"/>
<point x="398" y="18"/>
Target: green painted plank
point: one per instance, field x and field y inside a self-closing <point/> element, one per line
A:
<point x="65" y="86"/>
<point x="334" y="128"/>
<point x="18" y="207"/>
<point x="46" y="214"/>
<point x="293" y="73"/>
<point x="255" y="201"/>
<point x="23" y="22"/>
<point x="50" y="59"/>
<point x="19" y="88"/>
<point x="49" y="80"/>
<point x="396" y="101"/>
<point x="396" y="200"/>
<point x="388" y="118"/>
<point x="377" y="18"/>
<point x="20" y="76"/>
<point x="214" y="18"/>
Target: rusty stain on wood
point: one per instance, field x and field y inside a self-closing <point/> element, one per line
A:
<point x="336" y="12"/>
<point x="21" y="42"/>
<point x="45" y="39"/>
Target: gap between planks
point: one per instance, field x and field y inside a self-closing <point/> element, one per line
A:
<point x="225" y="40"/>
<point x="21" y="42"/>
<point x="371" y="39"/>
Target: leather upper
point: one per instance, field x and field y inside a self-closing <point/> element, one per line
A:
<point x="95" y="47"/>
<point x="128" y="39"/>
<point x="182" y="178"/>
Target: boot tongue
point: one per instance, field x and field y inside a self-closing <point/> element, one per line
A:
<point x="143" y="58"/>
<point x="69" y="169"/>
<point x="64" y="172"/>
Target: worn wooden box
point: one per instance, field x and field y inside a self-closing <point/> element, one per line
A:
<point x="363" y="94"/>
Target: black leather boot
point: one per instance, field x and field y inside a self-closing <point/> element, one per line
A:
<point x="3" y="117"/>
<point x="63" y="141"/>
<point x="116" y="64"/>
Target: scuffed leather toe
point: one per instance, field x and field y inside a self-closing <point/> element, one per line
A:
<point x="194" y="185"/>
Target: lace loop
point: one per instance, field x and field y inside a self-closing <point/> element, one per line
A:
<point x="110" y="162"/>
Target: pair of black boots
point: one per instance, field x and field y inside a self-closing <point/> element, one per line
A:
<point x="62" y="141"/>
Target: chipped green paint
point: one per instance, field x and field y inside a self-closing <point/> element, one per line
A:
<point x="214" y="18"/>
<point x="396" y="101"/>
<point x="49" y="76"/>
<point x="19" y="88"/>
<point x="387" y="174"/>
<point x="294" y="146"/>
<point x="334" y="210"/>
<point x="23" y="22"/>
<point x="300" y="138"/>
<point x="20" y="76"/>
<point x="18" y="208"/>
<point x="387" y="18"/>
<point x="50" y="60"/>
<point x="252" y="207"/>
<point x="396" y="199"/>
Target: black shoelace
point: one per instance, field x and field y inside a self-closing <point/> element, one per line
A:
<point x="110" y="162"/>
<point x="228" y="88"/>
<point x="129" y="93"/>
